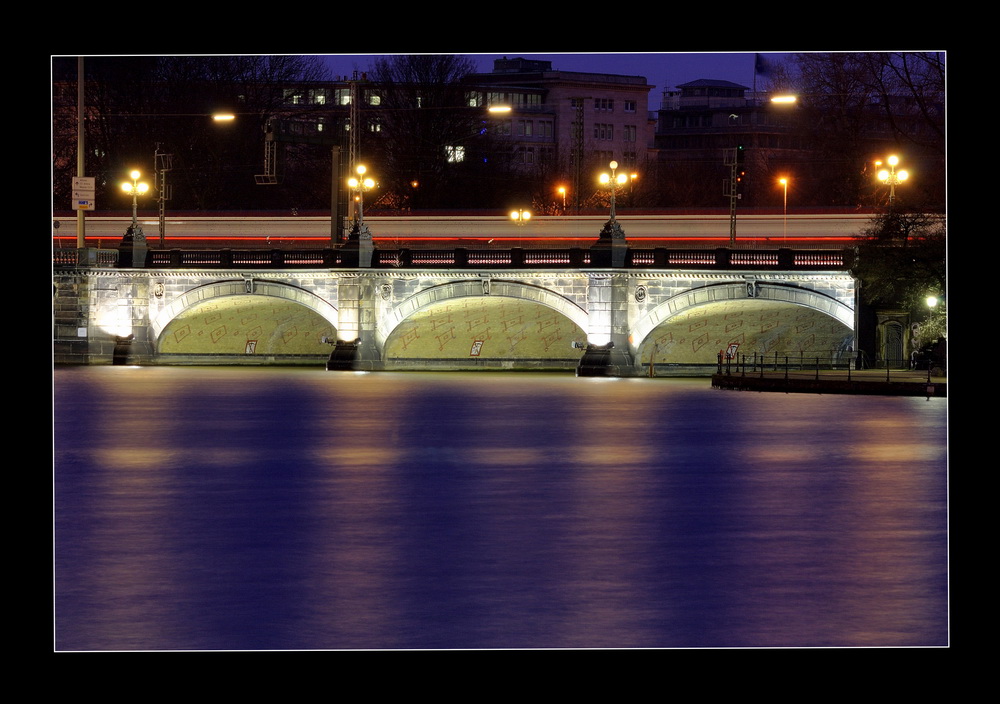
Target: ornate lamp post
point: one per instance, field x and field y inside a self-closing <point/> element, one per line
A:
<point x="359" y="185"/>
<point x="359" y="240"/>
<point x="611" y="247"/>
<point x="134" y="189"/>
<point x="612" y="181"/>
<point x="891" y="177"/>
<point x="132" y="249"/>
<point x="520" y="216"/>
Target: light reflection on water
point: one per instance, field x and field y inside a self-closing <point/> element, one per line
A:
<point x="226" y="508"/>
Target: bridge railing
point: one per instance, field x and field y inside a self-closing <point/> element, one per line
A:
<point x="84" y="257"/>
<point x="461" y="258"/>
<point x="818" y="365"/>
<point x="801" y="364"/>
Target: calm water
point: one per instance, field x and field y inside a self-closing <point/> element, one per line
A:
<point x="227" y="508"/>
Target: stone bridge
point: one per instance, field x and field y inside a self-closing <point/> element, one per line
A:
<point x="665" y="309"/>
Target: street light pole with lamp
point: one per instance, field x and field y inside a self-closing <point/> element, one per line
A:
<point x="891" y="177"/>
<point x="520" y="216"/>
<point x="612" y="236"/>
<point x="612" y="181"/>
<point x="359" y="185"/>
<point x="360" y="237"/>
<point x="132" y="249"/>
<point x="135" y="189"/>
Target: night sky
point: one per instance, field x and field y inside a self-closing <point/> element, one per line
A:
<point x="662" y="70"/>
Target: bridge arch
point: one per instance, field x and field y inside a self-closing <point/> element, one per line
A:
<point x="240" y="287"/>
<point x="739" y="290"/>
<point x="475" y="288"/>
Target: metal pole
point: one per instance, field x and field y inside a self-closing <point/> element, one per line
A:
<point x="160" y="180"/>
<point x="135" y="202"/>
<point x="334" y="196"/>
<point x="612" y="185"/>
<point x="80" y="171"/>
<point x="732" y="201"/>
<point x="784" y="219"/>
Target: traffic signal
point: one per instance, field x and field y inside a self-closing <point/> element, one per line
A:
<point x="739" y="154"/>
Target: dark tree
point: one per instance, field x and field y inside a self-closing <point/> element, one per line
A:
<point x="431" y="147"/>
<point x="901" y="259"/>
<point x="859" y="107"/>
<point x="133" y="105"/>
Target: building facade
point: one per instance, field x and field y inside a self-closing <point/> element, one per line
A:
<point x="567" y="125"/>
<point x="701" y="123"/>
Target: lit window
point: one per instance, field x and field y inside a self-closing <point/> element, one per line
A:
<point x="455" y="154"/>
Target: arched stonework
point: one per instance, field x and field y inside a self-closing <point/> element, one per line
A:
<point x="739" y="290"/>
<point x="391" y="319"/>
<point x="241" y="287"/>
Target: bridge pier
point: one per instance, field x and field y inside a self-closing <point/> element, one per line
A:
<point x="608" y="352"/>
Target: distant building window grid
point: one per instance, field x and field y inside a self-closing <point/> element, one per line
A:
<point x="328" y="96"/>
<point x="525" y="128"/>
<point x="604" y="131"/>
<point x="526" y="155"/>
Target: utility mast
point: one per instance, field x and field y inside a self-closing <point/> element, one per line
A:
<point x="735" y="162"/>
<point x="162" y="164"/>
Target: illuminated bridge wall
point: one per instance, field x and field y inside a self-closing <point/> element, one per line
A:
<point x="448" y="318"/>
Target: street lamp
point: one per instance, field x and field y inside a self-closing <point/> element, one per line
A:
<point x="132" y="249"/>
<point x="562" y="191"/>
<point x="612" y="181"/>
<point x="520" y="216"/>
<point x="892" y="177"/>
<point x="784" y="220"/>
<point x="359" y="185"/>
<point x="135" y="189"/>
